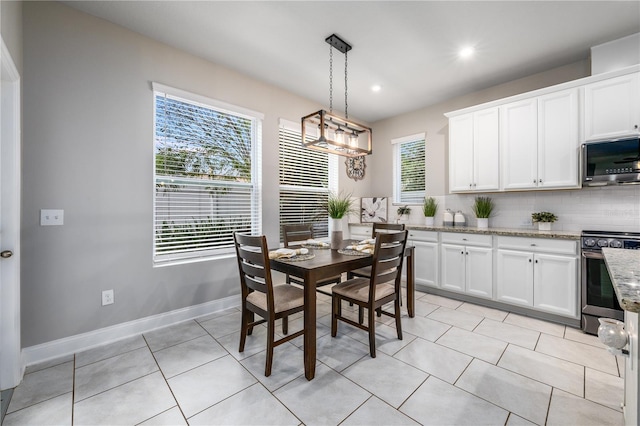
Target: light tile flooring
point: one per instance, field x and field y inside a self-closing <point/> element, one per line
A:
<point x="459" y="363"/>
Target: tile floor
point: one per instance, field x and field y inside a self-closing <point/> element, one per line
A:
<point x="459" y="363"/>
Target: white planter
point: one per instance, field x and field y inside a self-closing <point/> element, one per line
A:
<point x="483" y="222"/>
<point x="335" y="233"/>
<point x="544" y="226"/>
<point x="429" y="220"/>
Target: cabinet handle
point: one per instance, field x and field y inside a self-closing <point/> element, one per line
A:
<point x="535" y="181"/>
<point x="529" y="260"/>
<point x="462" y="252"/>
<point x="539" y="180"/>
<point x="467" y="253"/>
<point x="536" y="261"/>
<point x="533" y="245"/>
<point x="635" y="127"/>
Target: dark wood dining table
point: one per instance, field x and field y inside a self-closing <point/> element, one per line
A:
<point x="327" y="263"/>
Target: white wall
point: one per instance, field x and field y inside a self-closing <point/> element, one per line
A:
<point x="88" y="149"/>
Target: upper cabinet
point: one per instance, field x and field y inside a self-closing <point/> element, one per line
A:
<point x="532" y="141"/>
<point x="474" y="151"/>
<point x="540" y="144"/>
<point x="612" y="107"/>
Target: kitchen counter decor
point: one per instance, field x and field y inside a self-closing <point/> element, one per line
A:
<point x="482" y="208"/>
<point x="544" y="219"/>
<point x="429" y="209"/>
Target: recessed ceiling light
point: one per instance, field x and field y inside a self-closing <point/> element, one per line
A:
<point x="466" y="52"/>
<point x="376" y="88"/>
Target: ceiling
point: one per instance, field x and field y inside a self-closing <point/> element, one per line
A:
<point x="408" y="48"/>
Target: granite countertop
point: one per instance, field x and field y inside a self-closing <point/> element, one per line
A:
<point x="509" y="232"/>
<point x="624" y="268"/>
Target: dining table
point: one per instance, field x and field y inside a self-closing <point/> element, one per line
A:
<point x="324" y="264"/>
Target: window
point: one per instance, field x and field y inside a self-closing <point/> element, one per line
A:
<point x="207" y="171"/>
<point x="409" y="169"/>
<point x="306" y="177"/>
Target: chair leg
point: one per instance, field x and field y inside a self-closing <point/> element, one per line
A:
<point x="285" y="325"/>
<point x="372" y="332"/>
<point x="360" y="314"/>
<point x="398" y="319"/>
<point x="335" y="311"/>
<point x="250" y="319"/>
<point x="270" y="340"/>
<point x="243" y="328"/>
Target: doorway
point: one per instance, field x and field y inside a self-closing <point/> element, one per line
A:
<point x="11" y="369"/>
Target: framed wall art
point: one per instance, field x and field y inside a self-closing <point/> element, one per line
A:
<point x="373" y="209"/>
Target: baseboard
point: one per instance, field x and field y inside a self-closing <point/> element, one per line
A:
<point x="81" y="342"/>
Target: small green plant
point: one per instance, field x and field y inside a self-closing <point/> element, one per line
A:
<point x="483" y="207"/>
<point x="544" y="217"/>
<point x="338" y="205"/>
<point x="402" y="210"/>
<point x="429" y="207"/>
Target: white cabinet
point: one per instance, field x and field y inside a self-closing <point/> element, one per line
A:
<point x="467" y="264"/>
<point x="359" y="232"/>
<point x="612" y="107"/>
<point x="538" y="273"/>
<point x="540" y="143"/>
<point x="474" y="151"/>
<point x="425" y="256"/>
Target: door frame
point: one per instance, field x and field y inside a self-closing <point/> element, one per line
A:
<point x="11" y="365"/>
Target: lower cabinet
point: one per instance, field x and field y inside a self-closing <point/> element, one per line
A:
<point x="425" y="256"/>
<point x="466" y="268"/>
<point x="536" y="278"/>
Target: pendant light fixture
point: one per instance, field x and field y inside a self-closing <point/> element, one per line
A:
<point x="324" y="131"/>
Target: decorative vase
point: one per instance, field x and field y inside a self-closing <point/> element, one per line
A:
<point x="336" y="233"/>
<point x="544" y="226"/>
<point x="428" y="220"/>
<point x="483" y="222"/>
<point x="611" y="332"/>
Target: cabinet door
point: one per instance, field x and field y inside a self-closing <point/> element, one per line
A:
<point x="611" y="107"/>
<point x="514" y="277"/>
<point x="519" y="141"/>
<point x="486" y="150"/>
<point x="452" y="267"/>
<point x="558" y="143"/>
<point x="461" y="153"/>
<point x="426" y="263"/>
<point x="479" y="271"/>
<point x="555" y="284"/>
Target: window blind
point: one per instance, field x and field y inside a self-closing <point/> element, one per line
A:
<point x="305" y="180"/>
<point x="410" y="172"/>
<point x="206" y="177"/>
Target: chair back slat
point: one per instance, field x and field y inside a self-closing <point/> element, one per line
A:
<point x="386" y="228"/>
<point x="387" y="259"/>
<point x="297" y="233"/>
<point x="253" y="264"/>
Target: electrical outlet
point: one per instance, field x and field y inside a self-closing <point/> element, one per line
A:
<point x="107" y="297"/>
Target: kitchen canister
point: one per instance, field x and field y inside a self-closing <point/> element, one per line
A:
<point x="448" y="218"/>
<point x="459" y="219"/>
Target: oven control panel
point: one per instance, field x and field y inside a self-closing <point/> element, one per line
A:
<point x="632" y="245"/>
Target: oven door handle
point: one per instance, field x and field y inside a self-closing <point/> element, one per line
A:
<point x="592" y="255"/>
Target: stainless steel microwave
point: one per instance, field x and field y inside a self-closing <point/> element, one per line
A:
<point x="613" y="162"/>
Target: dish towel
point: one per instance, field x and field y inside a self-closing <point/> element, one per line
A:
<point x="285" y="253"/>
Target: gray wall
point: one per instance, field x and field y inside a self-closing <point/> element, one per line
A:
<point x="88" y="149"/>
<point x="11" y="29"/>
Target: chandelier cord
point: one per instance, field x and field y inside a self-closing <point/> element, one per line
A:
<point x="346" y="113"/>
<point x="330" y="78"/>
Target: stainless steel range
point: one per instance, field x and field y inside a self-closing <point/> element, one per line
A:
<point x="598" y="297"/>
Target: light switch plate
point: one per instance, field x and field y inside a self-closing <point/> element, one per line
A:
<point x="50" y="217"/>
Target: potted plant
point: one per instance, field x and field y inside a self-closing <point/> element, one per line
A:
<point x="429" y="209"/>
<point x="337" y="207"/>
<point x="544" y="219"/>
<point x="403" y="213"/>
<point x="482" y="208"/>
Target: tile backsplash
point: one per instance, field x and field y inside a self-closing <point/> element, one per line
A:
<point x="602" y="208"/>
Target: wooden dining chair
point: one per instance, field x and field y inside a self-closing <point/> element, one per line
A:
<point x="377" y="227"/>
<point x="260" y="296"/>
<point x="382" y="287"/>
<point x="296" y="234"/>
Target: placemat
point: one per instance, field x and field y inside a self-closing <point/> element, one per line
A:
<point x="298" y="257"/>
<point x="353" y="252"/>
<point x="311" y="246"/>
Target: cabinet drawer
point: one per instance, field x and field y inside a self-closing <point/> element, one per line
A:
<point x="466" y="239"/>
<point x="357" y="232"/>
<point x="545" y="245"/>
<point x="423" y="235"/>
